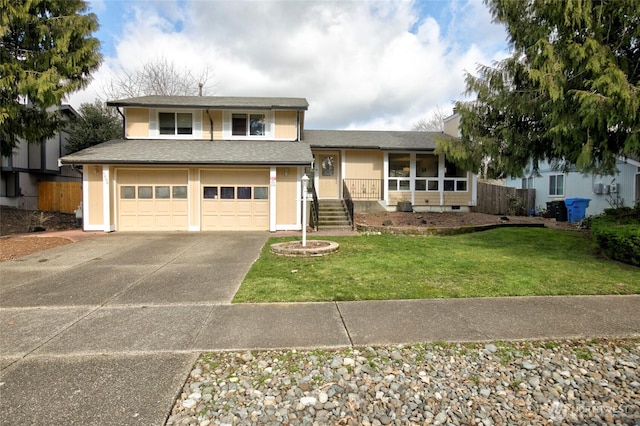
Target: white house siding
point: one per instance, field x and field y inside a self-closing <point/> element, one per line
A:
<point x="578" y="185"/>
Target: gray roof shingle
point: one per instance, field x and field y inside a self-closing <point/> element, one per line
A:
<point x="372" y="139"/>
<point x="249" y="152"/>
<point x="171" y="151"/>
<point x="213" y="102"/>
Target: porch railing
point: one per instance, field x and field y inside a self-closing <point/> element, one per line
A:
<point x="313" y="219"/>
<point x="365" y="189"/>
<point x="346" y="195"/>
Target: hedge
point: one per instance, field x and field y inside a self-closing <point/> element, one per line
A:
<point x="618" y="242"/>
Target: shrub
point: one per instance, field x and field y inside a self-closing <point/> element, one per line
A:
<point x="617" y="233"/>
<point x="619" y="242"/>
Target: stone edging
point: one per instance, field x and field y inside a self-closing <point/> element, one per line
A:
<point x="282" y="249"/>
<point x="396" y="230"/>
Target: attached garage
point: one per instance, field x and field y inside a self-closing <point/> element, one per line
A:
<point x="192" y="185"/>
<point x="152" y="200"/>
<point x="233" y="200"/>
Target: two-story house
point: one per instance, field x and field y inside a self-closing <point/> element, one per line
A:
<point x="33" y="162"/>
<point x="197" y="163"/>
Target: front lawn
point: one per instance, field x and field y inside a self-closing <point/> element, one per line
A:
<point x="500" y="262"/>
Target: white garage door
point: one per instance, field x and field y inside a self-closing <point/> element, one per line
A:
<point x="152" y="200"/>
<point x="235" y="200"/>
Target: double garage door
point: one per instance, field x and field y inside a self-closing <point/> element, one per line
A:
<point x="159" y="200"/>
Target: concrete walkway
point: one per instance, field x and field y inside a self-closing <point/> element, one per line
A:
<point x="105" y="331"/>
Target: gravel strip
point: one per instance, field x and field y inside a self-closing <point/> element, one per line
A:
<point x="567" y="382"/>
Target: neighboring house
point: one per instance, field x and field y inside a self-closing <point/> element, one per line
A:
<point x="196" y="163"/>
<point x="550" y="184"/>
<point x="32" y="163"/>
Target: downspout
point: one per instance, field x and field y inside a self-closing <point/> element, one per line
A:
<point x="124" y="135"/>
<point x="210" y="124"/>
<point x="298" y="124"/>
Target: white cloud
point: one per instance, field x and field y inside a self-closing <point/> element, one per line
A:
<point x="357" y="63"/>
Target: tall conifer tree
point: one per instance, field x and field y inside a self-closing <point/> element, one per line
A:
<point x="46" y="52"/>
<point x="569" y="93"/>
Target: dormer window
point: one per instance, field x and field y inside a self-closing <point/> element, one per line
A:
<point x="175" y="123"/>
<point x="248" y="124"/>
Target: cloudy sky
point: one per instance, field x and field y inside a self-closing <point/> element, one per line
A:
<point x="360" y="64"/>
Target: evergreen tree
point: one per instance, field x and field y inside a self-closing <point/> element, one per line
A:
<point x="569" y="93"/>
<point x="96" y="124"/>
<point x="46" y="52"/>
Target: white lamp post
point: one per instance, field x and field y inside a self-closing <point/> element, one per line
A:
<point x="305" y="181"/>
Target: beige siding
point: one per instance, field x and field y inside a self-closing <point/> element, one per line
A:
<point x="457" y="198"/>
<point x="137" y="122"/>
<point x="195" y="194"/>
<point x="286" y="125"/>
<point x="364" y="165"/>
<point x="207" y="118"/>
<point x="287" y="195"/>
<point x="451" y="127"/>
<point x="423" y="198"/>
<point x="96" y="203"/>
<point x="396" y="197"/>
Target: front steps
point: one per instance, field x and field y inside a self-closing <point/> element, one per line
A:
<point x="333" y="214"/>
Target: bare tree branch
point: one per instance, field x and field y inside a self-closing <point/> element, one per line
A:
<point x="159" y="77"/>
<point x="433" y="123"/>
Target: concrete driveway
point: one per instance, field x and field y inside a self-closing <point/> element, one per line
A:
<point x="104" y="331"/>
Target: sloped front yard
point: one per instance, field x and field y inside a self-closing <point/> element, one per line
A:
<point x="501" y="262"/>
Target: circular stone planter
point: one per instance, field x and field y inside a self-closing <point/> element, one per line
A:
<point x="313" y="248"/>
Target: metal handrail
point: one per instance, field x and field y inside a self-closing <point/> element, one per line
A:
<point x="313" y="220"/>
<point x="346" y="195"/>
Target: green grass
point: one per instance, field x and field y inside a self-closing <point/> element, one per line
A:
<point x="500" y="262"/>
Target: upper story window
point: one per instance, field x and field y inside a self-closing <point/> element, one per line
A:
<point x="175" y="123"/>
<point x="165" y="124"/>
<point x="243" y="125"/>
<point x="248" y="124"/>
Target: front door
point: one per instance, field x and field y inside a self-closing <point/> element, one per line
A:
<point x="328" y="175"/>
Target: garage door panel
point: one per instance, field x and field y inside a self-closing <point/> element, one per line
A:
<point x="161" y="212"/>
<point x="236" y="214"/>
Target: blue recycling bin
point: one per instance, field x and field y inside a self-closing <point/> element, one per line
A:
<point x="576" y="208"/>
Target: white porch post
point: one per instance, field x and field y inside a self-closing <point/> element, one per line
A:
<point x="305" y="182"/>
<point x="272" y="199"/>
<point x="385" y="180"/>
<point x="106" y="198"/>
<point x="441" y="173"/>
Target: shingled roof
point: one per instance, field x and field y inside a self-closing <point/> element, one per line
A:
<point x="371" y="139"/>
<point x="213" y="102"/>
<point x="171" y="151"/>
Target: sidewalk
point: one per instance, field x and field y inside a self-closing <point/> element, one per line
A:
<point x="126" y="364"/>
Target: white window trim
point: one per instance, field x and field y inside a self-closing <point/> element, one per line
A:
<point x="227" y="125"/>
<point x="412" y="178"/>
<point x="154" y="123"/>
<point x="556" y="185"/>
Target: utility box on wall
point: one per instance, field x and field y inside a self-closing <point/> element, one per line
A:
<point x="598" y="188"/>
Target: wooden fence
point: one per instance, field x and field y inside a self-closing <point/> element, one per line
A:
<point x="63" y="197"/>
<point x="496" y="199"/>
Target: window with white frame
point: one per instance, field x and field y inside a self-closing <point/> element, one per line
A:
<point x="399" y="172"/>
<point x="426" y="172"/>
<point x="175" y="123"/>
<point x="253" y="124"/>
<point x="455" y="177"/>
<point x="556" y="185"/>
<point x="527" y="182"/>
